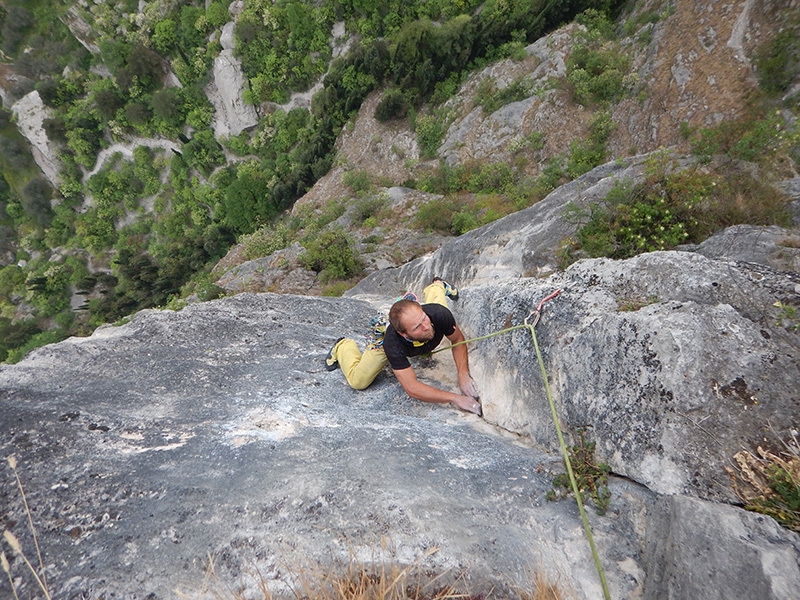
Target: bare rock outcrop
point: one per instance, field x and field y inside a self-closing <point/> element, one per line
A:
<point x="216" y="431"/>
<point x="30" y="113"/>
<point x="231" y="114"/>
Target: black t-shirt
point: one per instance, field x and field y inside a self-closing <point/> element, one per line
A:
<point x="398" y="349"/>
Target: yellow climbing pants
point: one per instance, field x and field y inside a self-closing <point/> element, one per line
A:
<point x="361" y="369"/>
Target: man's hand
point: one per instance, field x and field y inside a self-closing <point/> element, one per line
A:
<point x="468" y="404"/>
<point x="468" y="386"/>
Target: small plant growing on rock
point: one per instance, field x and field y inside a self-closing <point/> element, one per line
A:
<point x="788" y="316"/>
<point x="592" y="478"/>
<point x="769" y="482"/>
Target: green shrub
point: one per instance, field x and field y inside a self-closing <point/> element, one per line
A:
<point x="266" y="240"/>
<point x="463" y="222"/>
<point x="392" y="106"/>
<point x="590" y="153"/>
<point x="669" y="209"/>
<point x="358" y="180"/>
<point x="597" y="67"/>
<point x="368" y="208"/>
<point x="331" y="255"/>
<point x="778" y="61"/>
<point x="430" y="130"/>
<point x="763" y="137"/>
<point x="491" y="178"/>
<point x="437" y="215"/>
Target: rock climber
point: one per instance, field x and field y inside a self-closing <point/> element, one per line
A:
<point x="414" y="329"/>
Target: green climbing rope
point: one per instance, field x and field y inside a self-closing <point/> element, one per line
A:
<point x="586" y="527"/>
<point x="565" y="453"/>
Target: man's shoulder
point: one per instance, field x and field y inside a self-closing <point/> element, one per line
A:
<point x="435" y="310"/>
<point x="439" y="315"/>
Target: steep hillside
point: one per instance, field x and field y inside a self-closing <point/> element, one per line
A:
<point x="522" y="126"/>
<point x="171" y="130"/>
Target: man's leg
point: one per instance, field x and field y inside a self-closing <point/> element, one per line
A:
<point x="359" y="369"/>
<point x="434" y="294"/>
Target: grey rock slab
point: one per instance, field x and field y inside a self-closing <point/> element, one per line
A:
<point x="215" y="433"/>
<point x="697" y="550"/>
<point x="773" y="246"/>
<point x="672" y="361"/>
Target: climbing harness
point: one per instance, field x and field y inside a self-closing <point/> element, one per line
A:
<point x="377" y="331"/>
<point x="530" y="323"/>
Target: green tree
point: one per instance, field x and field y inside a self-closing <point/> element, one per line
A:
<point x="168" y="106"/>
<point x="36" y="200"/>
<point x="165" y="34"/>
<point x="108" y="102"/>
<point x="248" y="202"/>
<point x="142" y="73"/>
<point x="203" y="152"/>
<point x="217" y="14"/>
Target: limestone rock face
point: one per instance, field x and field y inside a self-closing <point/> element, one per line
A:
<point x="30" y="113"/>
<point x="231" y="114"/>
<point x="672" y="361"/>
<point x="216" y="431"/>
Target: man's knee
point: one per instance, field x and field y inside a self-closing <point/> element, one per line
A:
<point x="359" y="385"/>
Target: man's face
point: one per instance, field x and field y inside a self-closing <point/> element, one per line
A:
<point x="417" y="325"/>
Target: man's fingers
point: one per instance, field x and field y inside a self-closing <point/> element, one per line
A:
<point x="470" y="405"/>
<point x="469" y="388"/>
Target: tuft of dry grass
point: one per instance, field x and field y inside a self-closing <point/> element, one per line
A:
<point x="381" y="579"/>
<point x="542" y="589"/>
<point x="769" y="482"/>
<point x="16" y="546"/>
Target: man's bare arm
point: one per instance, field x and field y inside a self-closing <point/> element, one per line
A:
<point x="461" y="358"/>
<point x="422" y="391"/>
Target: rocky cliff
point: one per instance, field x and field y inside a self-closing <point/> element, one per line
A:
<point x="216" y="434"/>
<point x="207" y="452"/>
